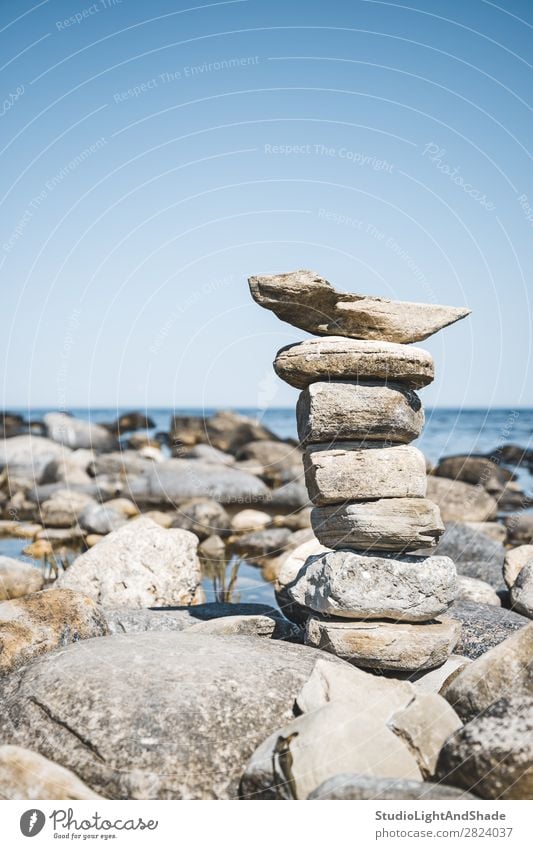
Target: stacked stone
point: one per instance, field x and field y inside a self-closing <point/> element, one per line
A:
<point x="370" y="599"/>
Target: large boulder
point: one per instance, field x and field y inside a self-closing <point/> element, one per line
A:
<point x="309" y="302"/>
<point x="175" y="481"/>
<point x="515" y="560"/>
<point x="522" y="591"/>
<point x="461" y="502"/>
<point x="354" y="786"/>
<point x="140" y="565"/>
<point x="492" y="755"/>
<point x="483" y="626"/>
<point x="18" y="578"/>
<point x="474" y="554"/>
<point x="39" y="623"/>
<point x="504" y="671"/>
<point x="76" y="433"/>
<point x="156" y="715"/>
<point x="27" y="775"/>
<point x="27" y="457"/>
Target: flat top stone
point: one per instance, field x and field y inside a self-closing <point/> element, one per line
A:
<point x="337" y="357"/>
<point x="308" y="301"/>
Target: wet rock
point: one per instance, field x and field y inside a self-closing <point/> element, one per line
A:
<point x="352" y="471"/>
<point x="492" y="755"/>
<point x="386" y="645"/>
<point x="27" y="775"/>
<point x="338" y="358"/>
<point x="461" y="502"/>
<point x="327" y="412"/>
<point x="308" y="301"/>
<point x="140" y="565"/>
<point x="356" y="586"/>
<point x="39" y="623"/>
<point x="355" y="786"/>
<point x="483" y="626"/>
<point x="504" y="671"/>
<point x="18" y="578"/>
<point x="386" y="524"/>
<point x="170" y="715"/>
<point x="76" y="433"/>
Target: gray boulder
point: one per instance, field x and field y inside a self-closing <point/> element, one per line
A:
<point x="140" y="565"/>
<point x="483" y="626"/>
<point x="461" y="502"/>
<point x="370" y="787"/>
<point x="27" y="457"/>
<point x="474" y="554"/>
<point x="522" y="591"/>
<point x="492" y="756"/>
<point x="76" y="433"/>
<point x="175" y="481"/>
<point x="156" y="715"/>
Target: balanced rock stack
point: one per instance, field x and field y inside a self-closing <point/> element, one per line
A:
<point x="370" y="600"/>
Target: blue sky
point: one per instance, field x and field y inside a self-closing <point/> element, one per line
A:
<point x="156" y="155"/>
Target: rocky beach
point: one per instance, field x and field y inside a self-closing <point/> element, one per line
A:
<point x="205" y="606"/>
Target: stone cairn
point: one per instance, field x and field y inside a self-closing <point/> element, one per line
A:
<point x="368" y="597"/>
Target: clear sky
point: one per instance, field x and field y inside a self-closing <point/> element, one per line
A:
<point x="154" y="155"/>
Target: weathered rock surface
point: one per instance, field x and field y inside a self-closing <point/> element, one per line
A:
<point x="338" y="358"/>
<point x="280" y="461"/>
<point x="492" y="755"/>
<point x="18" y="578"/>
<point x="316" y="746"/>
<point x="64" y="508"/>
<point x="327" y="412"/>
<point x="474" y="554"/>
<point x="175" y="481"/>
<point x="351" y="471"/>
<point x="474" y="469"/>
<point x="290" y="567"/>
<point x="354" y="786"/>
<point x="515" y="560"/>
<point x="39" y="623"/>
<point x="203" y="517"/>
<point x="436" y="680"/>
<point x="424" y="725"/>
<point x="357" y="586"/>
<point x="156" y="716"/>
<point x="308" y="301"/>
<point x="387" y="524"/>
<point x="268" y="542"/>
<point x="472" y="589"/>
<point x="522" y="591"/>
<point x="386" y="645"/>
<point x="483" y="626"/>
<point x="519" y="528"/>
<point x="502" y="672"/>
<point x="26" y="775"/>
<point x="137" y="621"/>
<point x="27" y="456"/>
<point x="493" y="530"/>
<point x="76" y="433"/>
<point x="246" y="521"/>
<point x="461" y="502"/>
<point x="100" y="519"/>
<point x="269" y="627"/>
<point x="140" y="565"/>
